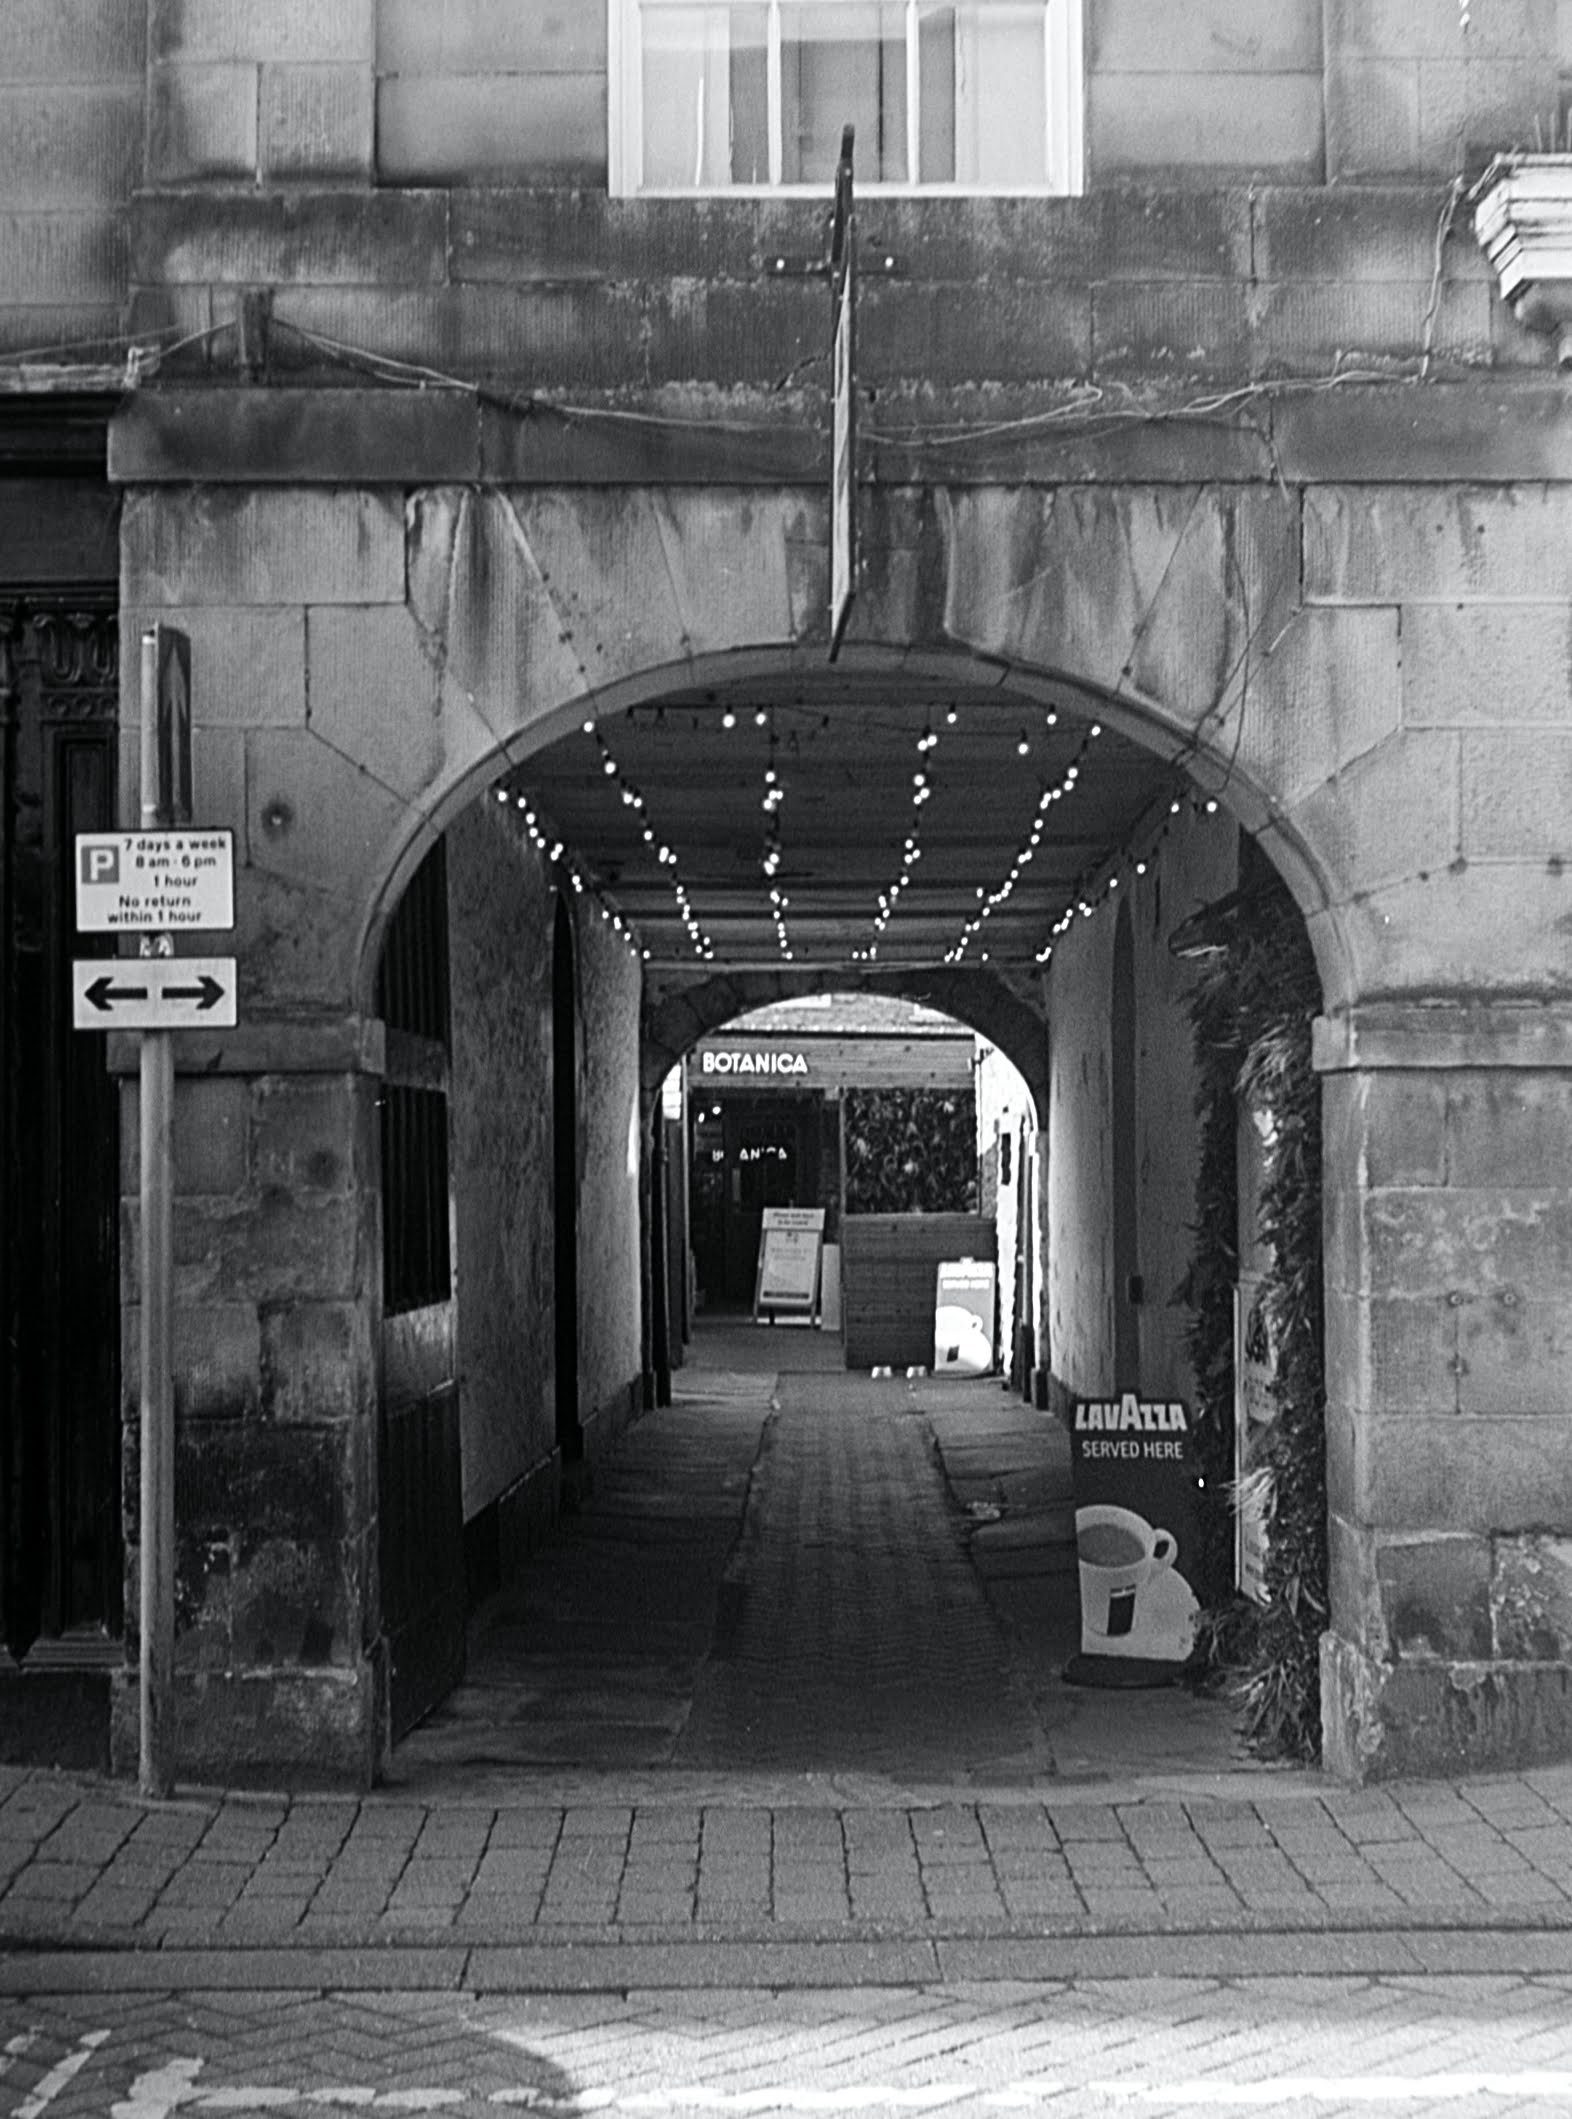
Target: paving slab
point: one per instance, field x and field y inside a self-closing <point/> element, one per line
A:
<point x="988" y="1821"/>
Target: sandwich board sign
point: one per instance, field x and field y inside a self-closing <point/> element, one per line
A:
<point x="963" y="1315"/>
<point x="1137" y="1537"/>
<point x="791" y="1245"/>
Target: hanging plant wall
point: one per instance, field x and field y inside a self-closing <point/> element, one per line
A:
<point x="1251" y="1013"/>
<point x="911" y="1151"/>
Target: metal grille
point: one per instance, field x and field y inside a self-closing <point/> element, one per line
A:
<point x="416" y="1259"/>
<point x="412" y="996"/>
<point x="412" y="984"/>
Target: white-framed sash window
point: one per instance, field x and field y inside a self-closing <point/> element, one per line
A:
<point x="744" y="96"/>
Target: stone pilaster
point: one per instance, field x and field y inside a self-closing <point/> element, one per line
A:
<point x="279" y="1675"/>
<point x="1448" y="1172"/>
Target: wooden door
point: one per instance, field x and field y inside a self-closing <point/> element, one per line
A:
<point x="60" y="1542"/>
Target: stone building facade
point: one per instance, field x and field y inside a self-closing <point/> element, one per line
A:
<point x="349" y="338"/>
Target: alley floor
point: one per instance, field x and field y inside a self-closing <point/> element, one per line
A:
<point x="765" y="1793"/>
<point x="795" y="1573"/>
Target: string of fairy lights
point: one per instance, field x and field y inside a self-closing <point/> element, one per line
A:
<point x="554" y="854"/>
<point x="1090" y="891"/>
<point x="770" y="861"/>
<point x="1099" y="883"/>
<point x="991" y="901"/>
<point x="911" y="850"/>
<point x="665" y="854"/>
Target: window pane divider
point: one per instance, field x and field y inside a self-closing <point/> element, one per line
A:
<point x="913" y="95"/>
<point x="773" y="94"/>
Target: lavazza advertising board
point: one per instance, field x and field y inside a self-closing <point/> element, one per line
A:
<point x="1136" y="1537"/>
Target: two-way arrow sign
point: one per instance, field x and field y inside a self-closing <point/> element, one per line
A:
<point x="154" y="993"/>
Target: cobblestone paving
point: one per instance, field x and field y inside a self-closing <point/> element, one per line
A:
<point x="856" y="1636"/>
<point x="1317" y="2044"/>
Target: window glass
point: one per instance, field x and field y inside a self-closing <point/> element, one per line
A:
<point x="706" y="121"/>
<point x="843" y="65"/>
<point x="1000" y="75"/>
<point x="715" y="95"/>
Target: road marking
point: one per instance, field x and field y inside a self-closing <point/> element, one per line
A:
<point x="15" y="2048"/>
<point x="156" y="2095"/>
<point x="1344" y="2089"/>
<point x="173" y="2087"/>
<point x="876" y="2095"/>
<point x="59" y="2075"/>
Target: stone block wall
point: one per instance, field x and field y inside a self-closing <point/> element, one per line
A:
<point x="1197" y="863"/>
<point x="501" y="906"/>
<point x="1282" y="90"/>
<point x="279" y="93"/>
<point x="72" y="84"/>
<point x="277" y="1263"/>
<point x="612" y="1159"/>
<point x="178" y="95"/>
<point x="585" y="294"/>
<point x="1408" y="91"/>
<point x="1450" y="1422"/>
<point x="1209" y="84"/>
<point x="471" y="89"/>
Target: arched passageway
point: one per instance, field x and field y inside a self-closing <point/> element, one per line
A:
<point x="657" y="826"/>
<point x="1237" y="638"/>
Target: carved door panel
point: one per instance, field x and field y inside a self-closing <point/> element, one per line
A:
<point x="60" y="1552"/>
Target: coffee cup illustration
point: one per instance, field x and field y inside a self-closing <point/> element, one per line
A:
<point x="1118" y="1552"/>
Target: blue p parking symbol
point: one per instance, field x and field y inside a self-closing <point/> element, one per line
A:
<point x="100" y="864"/>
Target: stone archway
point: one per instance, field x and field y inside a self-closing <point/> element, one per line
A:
<point x="416" y="645"/>
<point x="974" y="997"/>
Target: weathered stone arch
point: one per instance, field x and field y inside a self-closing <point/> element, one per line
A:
<point x="367" y="660"/>
<point x="1176" y="611"/>
<point x="983" y="1002"/>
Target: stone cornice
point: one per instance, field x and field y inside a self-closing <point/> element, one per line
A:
<point x="1523" y="220"/>
<point x="1486" y="430"/>
<point x="1438" y="1034"/>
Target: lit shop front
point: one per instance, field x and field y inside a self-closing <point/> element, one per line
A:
<point x="768" y="1127"/>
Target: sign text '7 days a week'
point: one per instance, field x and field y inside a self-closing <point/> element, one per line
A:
<point x="157" y="881"/>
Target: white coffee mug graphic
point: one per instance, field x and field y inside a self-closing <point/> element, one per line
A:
<point x="1118" y="1551"/>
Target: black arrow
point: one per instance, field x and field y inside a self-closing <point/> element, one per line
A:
<point x="103" y="993"/>
<point x="206" y="995"/>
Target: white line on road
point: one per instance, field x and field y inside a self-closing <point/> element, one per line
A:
<point x="877" y="2096"/>
<point x="173" y="2087"/>
<point x="14" y="2049"/>
<point x="59" y="2075"/>
<point x="160" y="2092"/>
<point x="1343" y="2089"/>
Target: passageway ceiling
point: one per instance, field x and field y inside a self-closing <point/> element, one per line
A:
<point x="688" y="772"/>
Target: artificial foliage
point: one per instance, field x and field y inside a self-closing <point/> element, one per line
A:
<point x="1208" y="1287"/>
<point x="1251" y="1012"/>
<point x="911" y="1151"/>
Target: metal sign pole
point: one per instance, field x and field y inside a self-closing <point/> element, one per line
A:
<point x="156" y="1084"/>
<point x="843" y="398"/>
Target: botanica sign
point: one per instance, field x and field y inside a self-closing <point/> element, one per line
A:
<point x="1136" y="1538"/>
<point x="753" y="1063"/>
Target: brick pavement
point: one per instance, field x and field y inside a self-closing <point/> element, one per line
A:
<point x="719" y="1860"/>
<point x="83" y="1863"/>
<point x="857" y="1635"/>
<point x="1074" y="2043"/>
